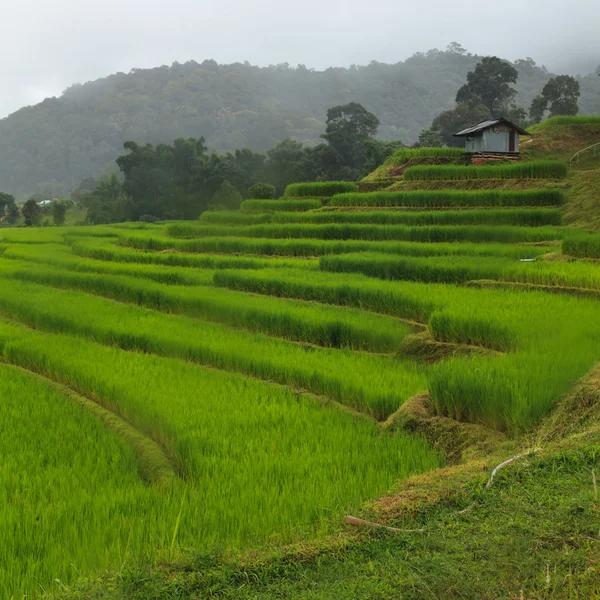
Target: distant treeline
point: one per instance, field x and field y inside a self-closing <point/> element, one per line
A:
<point x="49" y="148"/>
<point x="181" y="180"/>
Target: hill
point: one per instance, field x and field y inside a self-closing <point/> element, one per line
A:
<point x="54" y="145"/>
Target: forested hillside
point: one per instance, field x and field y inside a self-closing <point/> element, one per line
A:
<point x="51" y="147"/>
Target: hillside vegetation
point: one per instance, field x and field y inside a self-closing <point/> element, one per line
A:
<point x="257" y="383"/>
<point x="54" y="145"/>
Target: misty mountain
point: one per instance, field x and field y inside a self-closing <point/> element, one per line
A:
<point x="52" y="146"/>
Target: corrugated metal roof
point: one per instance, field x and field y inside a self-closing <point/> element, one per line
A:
<point x="487" y="124"/>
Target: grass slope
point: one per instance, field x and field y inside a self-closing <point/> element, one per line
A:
<point x="532" y="534"/>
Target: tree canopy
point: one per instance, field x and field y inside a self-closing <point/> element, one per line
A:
<point x="51" y="147"/>
<point x="489" y="83"/>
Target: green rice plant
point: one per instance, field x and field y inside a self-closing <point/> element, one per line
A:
<point x="86" y="508"/>
<point x="452" y="198"/>
<point x="403" y="155"/>
<point x="529" y="217"/>
<point x="121" y="254"/>
<point x="352" y="231"/>
<point x="321" y="189"/>
<point x="62" y="257"/>
<point x="69" y="490"/>
<point x="307" y="322"/>
<point x="446" y="269"/>
<point x="559" y="274"/>
<point x="374" y="384"/>
<point x="151" y="247"/>
<point x="552" y="340"/>
<point x="582" y="245"/>
<point x="272" y="205"/>
<point x="540" y="169"/>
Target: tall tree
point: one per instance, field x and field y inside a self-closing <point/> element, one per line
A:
<point x="59" y="212"/>
<point x="490" y="83"/>
<point x="11" y="213"/>
<point x="562" y="94"/>
<point x="349" y="126"/>
<point x="538" y="107"/>
<point x="32" y="213"/>
<point x="5" y="199"/>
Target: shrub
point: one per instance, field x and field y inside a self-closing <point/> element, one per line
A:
<point x="541" y="169"/>
<point x="262" y="191"/>
<point x="319" y="189"/>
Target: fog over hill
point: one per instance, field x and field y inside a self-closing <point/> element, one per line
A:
<point x="51" y="146"/>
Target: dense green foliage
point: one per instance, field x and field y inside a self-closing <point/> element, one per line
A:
<point x="489" y="83"/>
<point x="52" y="146"/>
<point x="541" y="169"/>
<point x="560" y="94"/>
<point x="450" y="198"/>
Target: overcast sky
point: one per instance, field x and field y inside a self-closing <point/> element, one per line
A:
<point x="47" y="45"/>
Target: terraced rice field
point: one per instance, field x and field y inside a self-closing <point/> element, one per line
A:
<point x="178" y="389"/>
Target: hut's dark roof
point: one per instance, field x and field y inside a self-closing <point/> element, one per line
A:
<point x="486" y="125"/>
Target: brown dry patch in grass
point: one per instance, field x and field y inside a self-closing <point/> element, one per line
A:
<point x="561" y="142"/>
<point x="422" y="491"/>
<point x="582" y="208"/>
<point x="423" y="348"/>
<point x="455" y="440"/>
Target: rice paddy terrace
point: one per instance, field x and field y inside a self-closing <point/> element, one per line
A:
<point x="189" y="388"/>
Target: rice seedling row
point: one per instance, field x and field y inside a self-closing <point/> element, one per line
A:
<point x="351" y="231"/>
<point x="86" y="508"/>
<point x="320" y="189"/>
<point x="151" y="246"/>
<point x="279" y="205"/>
<point x="452" y="198"/>
<point x="548" y="338"/>
<point x="540" y="169"/>
<point x="374" y="384"/>
<point x="300" y="321"/>
<point x="529" y="217"/>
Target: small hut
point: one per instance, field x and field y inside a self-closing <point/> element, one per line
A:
<point x="494" y="139"/>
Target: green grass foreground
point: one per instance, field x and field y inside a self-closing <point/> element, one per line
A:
<point x="533" y="534"/>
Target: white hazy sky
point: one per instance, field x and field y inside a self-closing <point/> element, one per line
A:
<point x="46" y="45"/>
